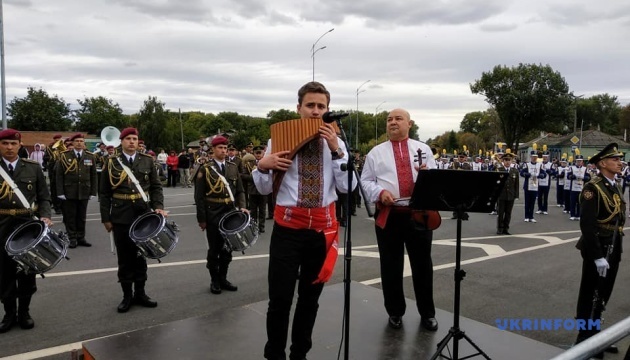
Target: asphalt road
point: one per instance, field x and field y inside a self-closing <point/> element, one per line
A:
<point x="534" y="273"/>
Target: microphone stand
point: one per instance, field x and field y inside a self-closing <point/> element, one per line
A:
<point x="348" y="236"/>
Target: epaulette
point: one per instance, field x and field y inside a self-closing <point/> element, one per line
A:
<point x="88" y="152"/>
<point x="147" y="155"/>
<point x="30" y="161"/>
<point x="230" y="162"/>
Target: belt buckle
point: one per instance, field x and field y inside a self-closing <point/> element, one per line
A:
<point x="226" y="200"/>
<point x="12" y="212"/>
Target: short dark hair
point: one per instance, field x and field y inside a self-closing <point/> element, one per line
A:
<point x="313" y="87"/>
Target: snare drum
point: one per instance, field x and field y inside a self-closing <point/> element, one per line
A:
<point x="238" y="230"/>
<point x="153" y="235"/>
<point x="35" y="247"/>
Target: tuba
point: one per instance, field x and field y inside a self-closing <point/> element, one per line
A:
<point x="59" y="145"/>
<point x="110" y="136"/>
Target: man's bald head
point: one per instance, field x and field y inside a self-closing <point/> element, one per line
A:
<point x="398" y="124"/>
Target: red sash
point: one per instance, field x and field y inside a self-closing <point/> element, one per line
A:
<point x="319" y="219"/>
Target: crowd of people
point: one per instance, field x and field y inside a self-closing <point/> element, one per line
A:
<point x="304" y="196"/>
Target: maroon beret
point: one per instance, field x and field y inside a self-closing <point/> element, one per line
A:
<point x="150" y="152"/>
<point x="219" y="140"/>
<point x="140" y="142"/>
<point x="57" y="137"/>
<point x="10" y="134"/>
<point x="76" y="136"/>
<point x="128" y="131"/>
<point x="109" y="147"/>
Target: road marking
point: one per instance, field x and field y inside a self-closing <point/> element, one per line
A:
<point x="488" y="248"/>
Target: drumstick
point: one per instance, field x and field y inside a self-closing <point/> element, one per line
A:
<point x="111" y="242"/>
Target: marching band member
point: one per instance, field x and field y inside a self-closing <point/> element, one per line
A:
<point x="76" y="185"/>
<point x="18" y="285"/>
<point x="544" y="183"/>
<point x="257" y="201"/>
<point x="532" y="173"/>
<point x="218" y="190"/>
<point x="303" y="245"/>
<point x="121" y="203"/>
<point x="578" y="176"/>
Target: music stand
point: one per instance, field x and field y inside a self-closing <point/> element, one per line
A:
<point x="449" y="193"/>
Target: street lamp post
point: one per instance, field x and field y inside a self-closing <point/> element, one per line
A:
<point x="181" y="127"/>
<point x="376" y="122"/>
<point x="2" y="85"/>
<point x="356" y="130"/>
<point x="313" y="51"/>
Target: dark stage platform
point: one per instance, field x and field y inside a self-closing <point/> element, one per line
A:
<point x="240" y="334"/>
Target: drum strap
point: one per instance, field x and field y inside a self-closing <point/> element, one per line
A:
<point x="134" y="180"/>
<point x="15" y="189"/>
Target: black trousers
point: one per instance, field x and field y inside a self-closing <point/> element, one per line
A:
<point x="589" y="282"/>
<point x="294" y="255"/>
<point x="219" y="256"/>
<point x="74" y="217"/>
<point x="504" y="212"/>
<point x="400" y="232"/>
<point x="543" y="198"/>
<point x="132" y="266"/>
<point x="13" y="283"/>
<point x="257" y="209"/>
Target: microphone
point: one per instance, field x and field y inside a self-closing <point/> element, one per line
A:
<point x="330" y="117"/>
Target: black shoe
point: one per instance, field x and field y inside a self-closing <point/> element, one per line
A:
<point x="26" y="321"/>
<point x="342" y="223"/>
<point x="499" y="232"/>
<point x="73" y="244"/>
<point x="144" y="300"/>
<point x="395" y="322"/>
<point x="354" y="214"/>
<point x="430" y="324"/>
<point x="125" y="304"/>
<point x="7" y="322"/>
<point x="215" y="287"/>
<point x="83" y="243"/>
<point x="613" y="349"/>
<point x="226" y="285"/>
<point x="505" y="232"/>
<point x="261" y="231"/>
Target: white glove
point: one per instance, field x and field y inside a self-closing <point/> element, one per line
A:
<point x="602" y="266"/>
<point x="62" y="197"/>
<point x="92" y="197"/>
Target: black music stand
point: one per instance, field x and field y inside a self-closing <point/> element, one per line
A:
<point x="448" y="193"/>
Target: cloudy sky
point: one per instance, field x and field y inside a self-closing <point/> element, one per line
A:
<point x="251" y="56"/>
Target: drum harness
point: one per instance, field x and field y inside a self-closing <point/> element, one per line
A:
<point x="145" y="197"/>
<point x="16" y="190"/>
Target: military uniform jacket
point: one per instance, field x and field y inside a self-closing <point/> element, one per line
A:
<point x="511" y="189"/>
<point x="121" y="203"/>
<point x="601" y="206"/>
<point x="461" y="165"/>
<point x="246" y="175"/>
<point x="30" y="180"/>
<point x="211" y="195"/>
<point x="76" y="178"/>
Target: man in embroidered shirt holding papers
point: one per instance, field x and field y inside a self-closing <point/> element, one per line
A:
<point x="388" y="177"/>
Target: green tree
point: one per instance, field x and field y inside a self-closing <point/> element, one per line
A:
<point x="275" y="116"/>
<point x="472" y="122"/>
<point x="525" y="97"/>
<point x="624" y="120"/>
<point x="96" y="113"/>
<point x="599" y="112"/>
<point x="152" y="124"/>
<point x="39" y="111"/>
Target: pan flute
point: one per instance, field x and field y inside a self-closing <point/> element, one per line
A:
<point x="292" y="135"/>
